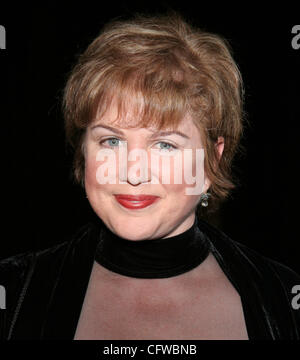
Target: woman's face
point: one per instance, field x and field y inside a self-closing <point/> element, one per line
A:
<point x="170" y="210"/>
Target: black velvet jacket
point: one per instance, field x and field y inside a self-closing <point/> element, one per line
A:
<point x="45" y="290"/>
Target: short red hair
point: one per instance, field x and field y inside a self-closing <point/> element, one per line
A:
<point x="166" y="68"/>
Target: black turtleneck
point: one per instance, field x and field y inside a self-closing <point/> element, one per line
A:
<point x="156" y="258"/>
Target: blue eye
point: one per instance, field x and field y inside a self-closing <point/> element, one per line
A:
<point x="115" y="142"/>
<point x="112" y="142"/>
<point x="166" y="146"/>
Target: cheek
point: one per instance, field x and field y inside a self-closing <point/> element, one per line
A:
<point x="92" y="166"/>
<point x="178" y="192"/>
<point x="94" y="187"/>
<point x="178" y="175"/>
<point x="90" y="171"/>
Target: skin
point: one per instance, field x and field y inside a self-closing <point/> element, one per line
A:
<point x="162" y="219"/>
<point x="199" y="304"/>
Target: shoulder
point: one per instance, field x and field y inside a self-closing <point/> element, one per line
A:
<point x="268" y="288"/>
<point x="251" y="271"/>
<point x="20" y="264"/>
<point x="283" y="274"/>
<point x="36" y="273"/>
<point x="249" y="257"/>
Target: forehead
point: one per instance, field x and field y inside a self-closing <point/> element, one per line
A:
<point x="129" y="118"/>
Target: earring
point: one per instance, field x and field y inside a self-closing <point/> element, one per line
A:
<point x="204" y="199"/>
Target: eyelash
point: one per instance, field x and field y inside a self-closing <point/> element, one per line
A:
<point x="111" y="138"/>
<point x="160" y="142"/>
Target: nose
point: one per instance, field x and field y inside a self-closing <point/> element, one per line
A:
<point x="134" y="166"/>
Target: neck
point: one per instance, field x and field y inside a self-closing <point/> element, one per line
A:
<point x="158" y="258"/>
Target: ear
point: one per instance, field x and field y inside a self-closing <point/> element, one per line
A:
<point x="220" y="147"/>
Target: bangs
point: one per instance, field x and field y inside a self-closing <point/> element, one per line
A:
<point x="142" y="99"/>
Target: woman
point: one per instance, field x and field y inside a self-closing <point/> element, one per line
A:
<point x="153" y="109"/>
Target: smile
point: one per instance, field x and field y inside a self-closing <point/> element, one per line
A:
<point x="135" y="202"/>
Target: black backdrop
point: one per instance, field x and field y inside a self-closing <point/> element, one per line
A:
<point x="42" y="207"/>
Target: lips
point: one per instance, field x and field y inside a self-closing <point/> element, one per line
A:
<point x="135" y="201"/>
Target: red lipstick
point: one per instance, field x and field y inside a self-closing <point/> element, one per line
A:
<point x="135" y="201"/>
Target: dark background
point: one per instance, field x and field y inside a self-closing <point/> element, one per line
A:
<point x="41" y="206"/>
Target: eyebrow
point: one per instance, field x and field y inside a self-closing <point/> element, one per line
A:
<point x="155" y="134"/>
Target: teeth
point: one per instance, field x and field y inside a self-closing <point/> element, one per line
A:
<point x="135" y="201"/>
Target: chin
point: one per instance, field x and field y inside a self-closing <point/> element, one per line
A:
<point x="134" y="229"/>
